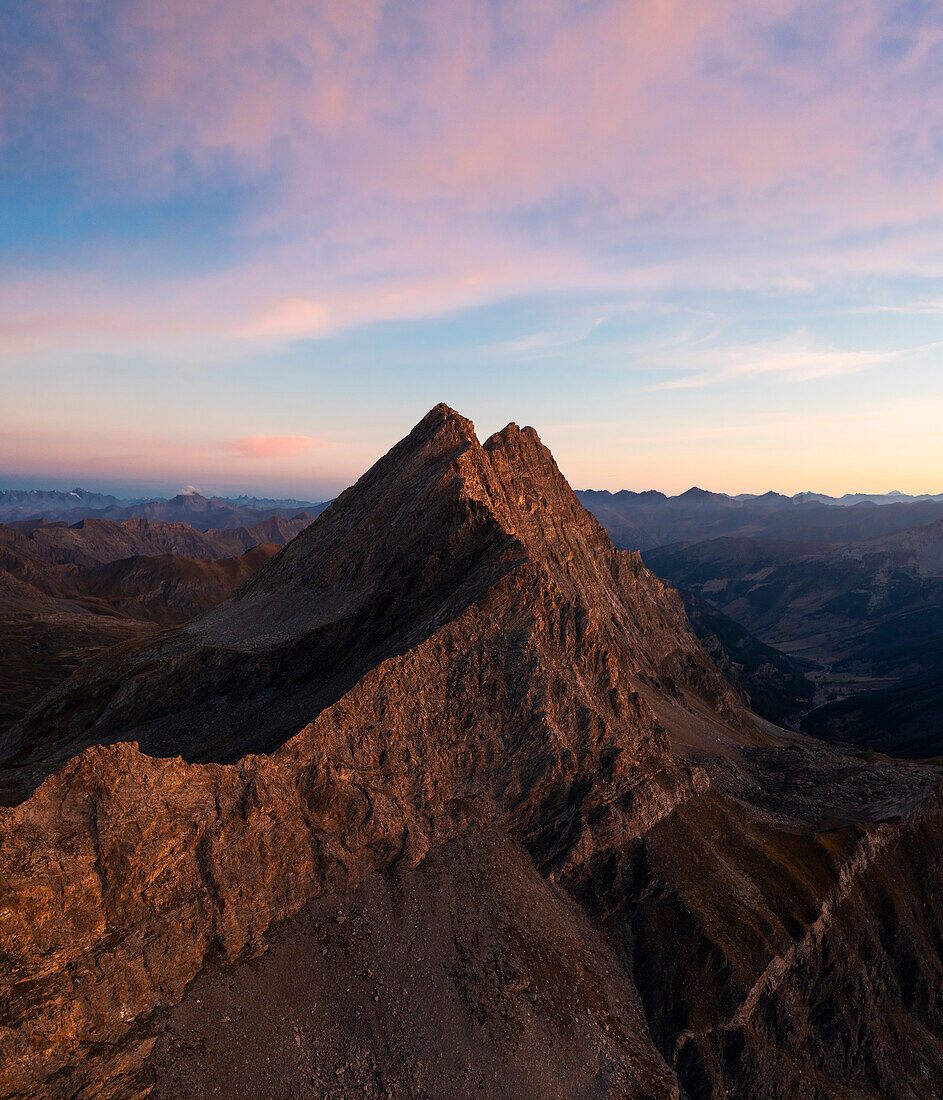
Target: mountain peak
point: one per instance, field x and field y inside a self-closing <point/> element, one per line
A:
<point x="437" y="525"/>
<point x="440" y="507"/>
<point x="454" y="654"/>
<point x="518" y="439"/>
<point x="697" y="494"/>
<point x="454" y="645"/>
<point x="442" y="411"/>
<point x="442" y="530"/>
<point x="441" y="420"/>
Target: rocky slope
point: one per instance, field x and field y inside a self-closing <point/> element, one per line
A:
<point x="536" y="1008"/>
<point x="520" y="797"/>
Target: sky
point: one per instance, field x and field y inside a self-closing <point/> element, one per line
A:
<point x="247" y="245"/>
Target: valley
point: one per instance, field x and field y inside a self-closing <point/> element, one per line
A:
<point x="866" y="617"/>
<point x="70" y="590"/>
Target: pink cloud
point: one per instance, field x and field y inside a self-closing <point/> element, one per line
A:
<point x="420" y="165"/>
<point x="651" y="101"/>
<point x="275" y="446"/>
<point x="66" y="453"/>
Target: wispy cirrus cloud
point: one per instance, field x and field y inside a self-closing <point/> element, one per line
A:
<point x="919" y="308"/>
<point x="368" y="154"/>
<point x="794" y="358"/>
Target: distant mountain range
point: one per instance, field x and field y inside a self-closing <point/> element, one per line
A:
<point x="33" y="503"/>
<point x="642" y="521"/>
<point x="813" y="605"/>
<point x="641" y="517"/>
<point x="269" y="502"/>
<point x="188" y="506"/>
<point x="827" y="611"/>
<point x="894" y="497"/>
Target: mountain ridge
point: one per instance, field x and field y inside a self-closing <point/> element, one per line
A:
<point x="336" y="611"/>
<point x="418" y="705"/>
<point x="646" y="521"/>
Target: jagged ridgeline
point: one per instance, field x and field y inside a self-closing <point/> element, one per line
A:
<point x="447" y="800"/>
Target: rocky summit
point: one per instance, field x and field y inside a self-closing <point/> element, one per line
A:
<point x="447" y="800"/>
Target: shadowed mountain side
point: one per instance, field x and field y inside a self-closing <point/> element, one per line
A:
<point x="907" y="717"/>
<point x="38" y="652"/>
<point x="777" y="686"/>
<point x="170" y="590"/>
<point x="69" y="592"/>
<point x="433" y="527"/>
<point x="847" y="1004"/>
